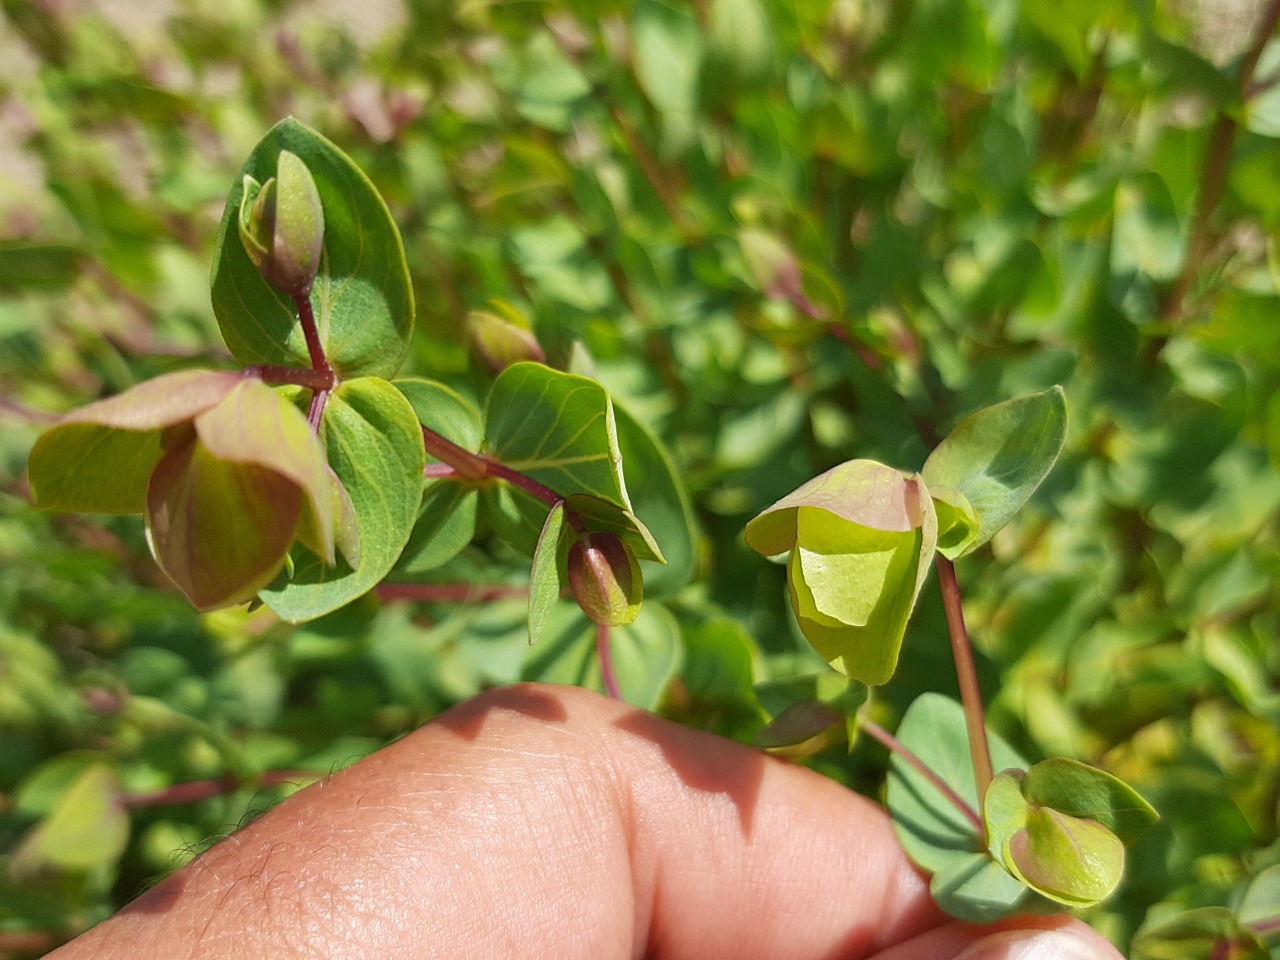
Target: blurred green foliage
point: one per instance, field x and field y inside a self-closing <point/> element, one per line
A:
<point x="787" y="234"/>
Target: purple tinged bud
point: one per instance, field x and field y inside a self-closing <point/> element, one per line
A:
<point x="281" y="225"/>
<point x="606" y="578"/>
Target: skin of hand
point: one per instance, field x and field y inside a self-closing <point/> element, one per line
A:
<point x="539" y="821"/>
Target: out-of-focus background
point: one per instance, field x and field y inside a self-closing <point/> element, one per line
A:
<point x="788" y="234"/>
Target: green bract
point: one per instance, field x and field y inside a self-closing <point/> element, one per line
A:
<point x="375" y="445"/>
<point x="859" y="539"/>
<point x="991" y="464"/>
<point x="1062" y="826"/>
<point x="557" y="428"/>
<point x="226" y="471"/>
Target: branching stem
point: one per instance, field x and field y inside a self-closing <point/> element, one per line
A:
<point x="476" y="466"/>
<point x="894" y="745"/>
<point x="967" y="674"/>
<point x="319" y="362"/>
<point x="1217" y="161"/>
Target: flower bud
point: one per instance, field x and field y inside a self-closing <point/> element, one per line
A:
<point x="499" y="343"/>
<point x="605" y="578"/>
<point x="281" y="225"/>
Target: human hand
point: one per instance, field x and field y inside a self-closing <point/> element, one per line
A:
<point x="538" y="821"/>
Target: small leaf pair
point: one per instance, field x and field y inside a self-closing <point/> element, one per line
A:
<point x="1062" y="828"/>
<point x="861" y="537"/>
<point x="1052" y="834"/>
<point x="226" y="471"/>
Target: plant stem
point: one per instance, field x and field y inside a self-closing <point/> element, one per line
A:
<point x="1217" y="160"/>
<point x="297" y="376"/>
<point x="967" y="674"/>
<point x="476" y="466"/>
<point x="319" y="362"/>
<point x="203" y="789"/>
<point x="604" y="650"/>
<point x="894" y="745"/>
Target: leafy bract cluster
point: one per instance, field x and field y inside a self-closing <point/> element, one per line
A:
<point x="860" y="540"/>
<point x="786" y="234"/>
<point x="861" y="537"/>
<point x="244" y="499"/>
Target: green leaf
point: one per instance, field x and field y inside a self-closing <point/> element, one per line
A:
<point x="997" y="457"/>
<point x="1077" y="862"/>
<point x="87" y="827"/>
<point x="26" y="265"/>
<point x="1073" y="860"/>
<point x="1196" y="934"/>
<point x="861" y="538"/>
<point x="219" y="530"/>
<point x="545" y="582"/>
<point x="99" y="458"/>
<point x="375" y="447"/>
<point x="958" y="522"/>
<point x="1261" y="902"/>
<point x="667" y="56"/>
<point x="557" y="428"/>
<point x="447" y="518"/>
<point x="966" y="882"/>
<point x="362" y="296"/>
<point x="646" y="653"/>
<point x="661" y="502"/>
<point x="1080" y="790"/>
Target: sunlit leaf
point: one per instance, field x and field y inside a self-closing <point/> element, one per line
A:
<point x="997" y="457"/>
<point x="557" y="428"/>
<point x="967" y="883"/>
<point x="545" y="582"/>
<point x="860" y="538"/>
<point x="375" y="447"/>
<point x="86" y="828"/>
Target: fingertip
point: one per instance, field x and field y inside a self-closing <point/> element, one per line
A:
<point x="1065" y="943"/>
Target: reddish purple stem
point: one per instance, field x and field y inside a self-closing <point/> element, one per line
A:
<point x="604" y="650"/>
<point x="203" y="789"/>
<point x="894" y="745"/>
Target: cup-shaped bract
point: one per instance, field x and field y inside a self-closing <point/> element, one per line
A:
<point x="859" y="539"/>
<point x="605" y="578"/>
<point x="1062" y="828"/>
<point x="281" y="225"/>
<point x="227" y="472"/>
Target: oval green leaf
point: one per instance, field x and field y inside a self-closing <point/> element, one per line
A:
<point x="99" y="458"/>
<point x="1069" y="859"/>
<point x="362" y="297"/>
<point x="1077" y="789"/>
<point x="87" y="827"/>
<point x="966" y="882"/>
<point x="998" y="456"/>
<point x="375" y="447"/>
<point x="447" y="518"/>
<point x="557" y="428"/>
